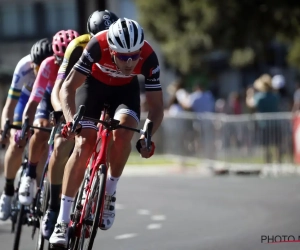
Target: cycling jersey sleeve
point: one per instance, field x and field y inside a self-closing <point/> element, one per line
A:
<point x="69" y="62"/>
<point x="23" y="76"/>
<point x="91" y="54"/>
<point x="151" y="71"/>
<point x="43" y="78"/>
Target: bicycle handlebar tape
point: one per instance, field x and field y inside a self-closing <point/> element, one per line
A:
<point x="148" y="134"/>
<point x="4" y="132"/>
<point x="24" y="128"/>
<point x="77" y="117"/>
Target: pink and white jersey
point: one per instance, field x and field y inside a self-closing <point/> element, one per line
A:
<point x="45" y="79"/>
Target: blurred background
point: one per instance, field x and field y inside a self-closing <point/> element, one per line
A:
<point x="211" y="54"/>
<point x="230" y="72"/>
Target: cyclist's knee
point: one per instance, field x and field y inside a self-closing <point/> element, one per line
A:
<point x="122" y="136"/>
<point x="15" y="148"/>
<point x="41" y="122"/>
<point x="84" y="143"/>
<point x="62" y="146"/>
<point x="40" y="136"/>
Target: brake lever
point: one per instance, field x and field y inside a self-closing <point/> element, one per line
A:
<point x="77" y="117"/>
<point x="148" y="135"/>
<point x="24" y="128"/>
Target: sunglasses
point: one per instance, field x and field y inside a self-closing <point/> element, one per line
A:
<point x="125" y="58"/>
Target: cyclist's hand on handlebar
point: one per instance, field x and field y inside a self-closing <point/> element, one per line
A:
<point x="142" y="148"/>
<point x="21" y="142"/>
<point x="67" y="133"/>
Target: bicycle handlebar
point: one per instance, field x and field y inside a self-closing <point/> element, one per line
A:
<point x="57" y="117"/>
<point x="26" y="125"/>
<point x="112" y="124"/>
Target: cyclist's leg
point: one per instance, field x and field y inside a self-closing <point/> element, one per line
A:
<point x="87" y="95"/>
<point x="12" y="161"/>
<point x="128" y="114"/>
<point x="37" y="149"/>
<point x="58" y="160"/>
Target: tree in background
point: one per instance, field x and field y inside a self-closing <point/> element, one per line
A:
<point x="189" y="30"/>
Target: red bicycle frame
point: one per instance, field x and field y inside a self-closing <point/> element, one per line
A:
<point x="103" y="137"/>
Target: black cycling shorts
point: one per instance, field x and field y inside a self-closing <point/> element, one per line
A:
<point x="123" y="99"/>
<point x="44" y="108"/>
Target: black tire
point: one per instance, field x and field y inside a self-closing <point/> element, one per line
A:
<point x="20" y="222"/>
<point x="99" y="207"/>
<point x="73" y="240"/>
<point x="46" y="195"/>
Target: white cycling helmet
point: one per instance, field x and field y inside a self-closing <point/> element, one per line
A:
<point x="125" y="36"/>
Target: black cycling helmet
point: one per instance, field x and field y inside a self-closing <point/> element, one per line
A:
<point x="100" y="20"/>
<point x="41" y="50"/>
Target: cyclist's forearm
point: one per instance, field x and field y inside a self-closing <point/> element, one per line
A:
<point x="29" y="111"/>
<point x="8" y="111"/>
<point x="55" y="101"/>
<point x="156" y="116"/>
<point x="67" y="98"/>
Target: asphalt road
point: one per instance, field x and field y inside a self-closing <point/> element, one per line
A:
<point x="193" y="212"/>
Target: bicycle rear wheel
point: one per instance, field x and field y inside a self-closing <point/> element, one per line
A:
<point x="94" y="210"/>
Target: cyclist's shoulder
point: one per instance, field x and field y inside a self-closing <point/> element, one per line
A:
<point x="48" y="67"/>
<point x="100" y="38"/>
<point x="80" y="41"/>
<point x="48" y="61"/>
<point x="147" y="50"/>
<point x="24" y="64"/>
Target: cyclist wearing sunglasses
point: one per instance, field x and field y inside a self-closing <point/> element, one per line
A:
<point x="38" y="109"/>
<point x="105" y="73"/>
<point x="18" y="95"/>
<point x="98" y="21"/>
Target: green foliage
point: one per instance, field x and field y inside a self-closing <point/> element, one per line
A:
<point x="188" y="30"/>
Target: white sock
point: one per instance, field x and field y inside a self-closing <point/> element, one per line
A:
<point x="111" y="184"/>
<point x="65" y="209"/>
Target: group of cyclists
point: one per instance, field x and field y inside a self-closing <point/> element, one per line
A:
<point x="93" y="69"/>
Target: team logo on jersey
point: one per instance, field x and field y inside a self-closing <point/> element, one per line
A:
<point x="39" y="92"/>
<point x="154" y="71"/>
<point x="16" y="78"/>
<point x="46" y="71"/>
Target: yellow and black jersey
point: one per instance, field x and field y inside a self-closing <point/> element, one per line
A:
<point x="72" y="55"/>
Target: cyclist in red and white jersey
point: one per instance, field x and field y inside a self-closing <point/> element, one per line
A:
<point x="104" y="74"/>
<point x="38" y="109"/>
<point x="98" y="21"/>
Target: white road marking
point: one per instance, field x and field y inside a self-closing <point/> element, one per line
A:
<point x="143" y="212"/>
<point x="153" y="226"/>
<point x="125" y="236"/>
<point x="158" y="217"/>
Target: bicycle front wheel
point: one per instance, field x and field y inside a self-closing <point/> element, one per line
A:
<point x="20" y="222"/>
<point x="94" y="210"/>
<point x="43" y="207"/>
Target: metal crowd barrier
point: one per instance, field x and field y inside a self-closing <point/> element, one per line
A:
<point x="248" y="138"/>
